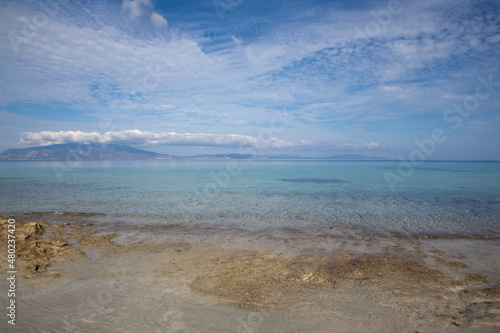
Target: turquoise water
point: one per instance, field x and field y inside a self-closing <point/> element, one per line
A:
<point x="450" y="198"/>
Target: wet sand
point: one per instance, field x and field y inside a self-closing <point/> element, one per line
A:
<point x="75" y="277"/>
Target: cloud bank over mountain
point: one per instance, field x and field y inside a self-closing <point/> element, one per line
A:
<point x="131" y="137"/>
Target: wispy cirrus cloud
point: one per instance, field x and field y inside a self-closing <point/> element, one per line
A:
<point x="162" y="138"/>
<point x="91" y="62"/>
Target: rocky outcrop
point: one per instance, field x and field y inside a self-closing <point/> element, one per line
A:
<point x="34" y="250"/>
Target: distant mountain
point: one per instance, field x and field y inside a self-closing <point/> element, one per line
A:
<point x="354" y="157"/>
<point x="285" y="157"/>
<point x="335" y="157"/>
<point x="222" y="156"/>
<point x="84" y="152"/>
<point x="89" y="152"/>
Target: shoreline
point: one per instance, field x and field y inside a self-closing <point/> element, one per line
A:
<point x="262" y="282"/>
<point x="105" y="221"/>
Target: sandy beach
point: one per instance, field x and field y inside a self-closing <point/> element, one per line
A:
<point x="78" y="277"/>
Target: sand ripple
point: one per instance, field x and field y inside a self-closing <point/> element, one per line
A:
<point x="240" y="282"/>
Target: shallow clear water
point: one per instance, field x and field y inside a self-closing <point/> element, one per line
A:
<point x="437" y="198"/>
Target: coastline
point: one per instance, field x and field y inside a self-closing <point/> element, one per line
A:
<point x="180" y="279"/>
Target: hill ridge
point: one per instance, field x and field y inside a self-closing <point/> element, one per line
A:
<point x="92" y="151"/>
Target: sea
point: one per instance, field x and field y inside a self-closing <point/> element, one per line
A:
<point x="436" y="198"/>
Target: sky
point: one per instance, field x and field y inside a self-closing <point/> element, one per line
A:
<point x="412" y="80"/>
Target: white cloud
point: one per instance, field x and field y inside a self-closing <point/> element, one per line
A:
<point x="135" y="8"/>
<point x="361" y="146"/>
<point x="494" y="39"/>
<point x="139" y="8"/>
<point x="151" y="138"/>
<point x="62" y="61"/>
<point x="158" y="20"/>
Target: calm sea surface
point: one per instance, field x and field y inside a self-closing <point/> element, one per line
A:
<point x="437" y="198"/>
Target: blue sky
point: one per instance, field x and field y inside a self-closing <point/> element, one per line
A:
<point x="311" y="78"/>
